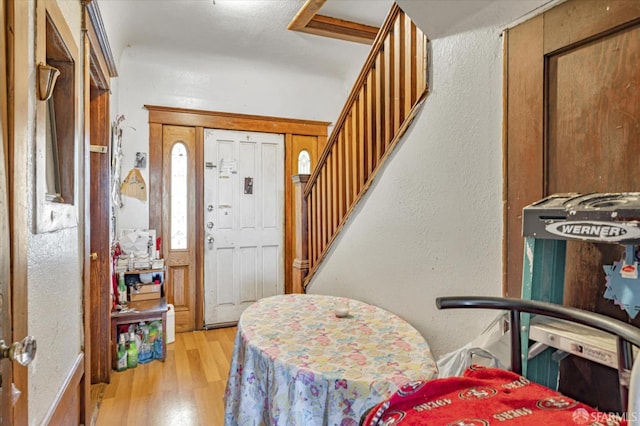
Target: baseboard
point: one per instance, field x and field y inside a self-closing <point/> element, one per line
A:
<point x="68" y="398"/>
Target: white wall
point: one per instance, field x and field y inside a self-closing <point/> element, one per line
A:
<point x="152" y="77"/>
<point x="431" y="224"/>
<point x="54" y="261"/>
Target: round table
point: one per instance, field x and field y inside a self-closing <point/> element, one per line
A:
<point x="296" y="363"/>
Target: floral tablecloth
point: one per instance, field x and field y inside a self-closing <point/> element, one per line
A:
<point x="296" y="363"/>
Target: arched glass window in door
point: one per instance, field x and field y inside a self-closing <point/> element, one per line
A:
<point x="304" y="163"/>
<point x="179" y="187"/>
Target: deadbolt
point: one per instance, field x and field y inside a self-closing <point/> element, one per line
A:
<point x="209" y="225"/>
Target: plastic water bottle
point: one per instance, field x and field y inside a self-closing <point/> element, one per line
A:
<point x="132" y="352"/>
<point x="121" y="354"/>
<point x="122" y="291"/>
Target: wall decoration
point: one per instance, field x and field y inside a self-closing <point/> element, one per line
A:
<point x="134" y="185"/>
<point x="141" y="160"/>
<point x="116" y="161"/>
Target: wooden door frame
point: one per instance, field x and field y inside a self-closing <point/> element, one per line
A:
<point x="19" y="64"/>
<point x="99" y="68"/>
<point x="524" y="109"/>
<point x="5" y="262"/>
<point x="159" y="116"/>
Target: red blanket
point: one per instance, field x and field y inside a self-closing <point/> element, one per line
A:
<point x="484" y="396"/>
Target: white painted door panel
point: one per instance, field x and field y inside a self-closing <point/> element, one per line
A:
<point x="243" y="259"/>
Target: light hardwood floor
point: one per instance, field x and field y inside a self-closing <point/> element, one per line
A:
<point x="186" y="389"/>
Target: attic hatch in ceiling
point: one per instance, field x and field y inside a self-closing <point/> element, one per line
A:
<point x="307" y="20"/>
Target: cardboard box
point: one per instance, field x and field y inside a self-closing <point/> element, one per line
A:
<point x="144" y="292"/>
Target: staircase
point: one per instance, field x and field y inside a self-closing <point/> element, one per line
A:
<point x="385" y="98"/>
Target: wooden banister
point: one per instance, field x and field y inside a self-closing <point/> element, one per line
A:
<point x="379" y="109"/>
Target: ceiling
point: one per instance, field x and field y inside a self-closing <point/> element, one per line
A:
<point x="255" y="29"/>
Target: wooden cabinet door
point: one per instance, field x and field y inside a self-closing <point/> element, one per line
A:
<point x="573" y="107"/>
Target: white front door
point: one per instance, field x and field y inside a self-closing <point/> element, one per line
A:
<point x="243" y="221"/>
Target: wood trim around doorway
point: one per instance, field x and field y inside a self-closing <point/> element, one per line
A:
<point x="160" y="116"/>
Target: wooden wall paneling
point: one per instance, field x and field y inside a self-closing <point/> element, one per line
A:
<point x="588" y="19"/>
<point x="524" y="149"/>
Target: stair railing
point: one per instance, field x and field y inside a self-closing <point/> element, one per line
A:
<point x="379" y="109"/>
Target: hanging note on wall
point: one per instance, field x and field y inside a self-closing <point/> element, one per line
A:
<point x="134" y="185"/>
<point x="227" y="167"/>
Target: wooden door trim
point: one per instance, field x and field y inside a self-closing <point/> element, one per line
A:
<point x="5" y="214"/>
<point x="98" y="70"/>
<point x="524" y="110"/>
<point x="232" y="121"/>
<point x="160" y="116"/>
<point x="19" y="63"/>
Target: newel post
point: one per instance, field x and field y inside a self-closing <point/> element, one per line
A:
<point x="301" y="262"/>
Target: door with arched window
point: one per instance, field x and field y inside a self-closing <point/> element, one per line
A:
<point x="178" y="221"/>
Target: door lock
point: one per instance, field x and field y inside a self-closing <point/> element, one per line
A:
<point x="210" y="225"/>
<point x="210" y="207"/>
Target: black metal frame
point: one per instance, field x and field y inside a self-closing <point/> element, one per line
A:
<point x="626" y="334"/>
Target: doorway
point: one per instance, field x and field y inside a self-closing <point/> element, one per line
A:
<point x="295" y="135"/>
<point x="244" y="221"/>
<point x="571" y="126"/>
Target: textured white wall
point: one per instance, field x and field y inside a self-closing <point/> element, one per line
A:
<point x="149" y="77"/>
<point x="431" y="224"/>
<point x="54" y="268"/>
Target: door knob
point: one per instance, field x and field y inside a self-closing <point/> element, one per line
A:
<point x="210" y="239"/>
<point x="22" y="352"/>
<point x="94" y="256"/>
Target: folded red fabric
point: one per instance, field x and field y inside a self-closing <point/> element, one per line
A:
<point x="482" y="397"/>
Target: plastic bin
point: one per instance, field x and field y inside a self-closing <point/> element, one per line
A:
<point x="171" y="323"/>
